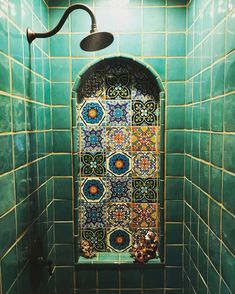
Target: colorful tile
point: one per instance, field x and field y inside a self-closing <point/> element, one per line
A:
<point x="92" y="113"/>
<point x="93" y="189"/>
<point x="118" y="138"/>
<point x="118" y="86"/>
<point x="145" y="164"/>
<point x="119" y="239"/>
<point x="145" y="138"/>
<point x="118" y="214"/>
<point x="119" y="164"/>
<point x="93" y="86"/>
<point x="144" y="190"/>
<point x="144" y="112"/>
<point x="96" y="237"/>
<point x="93" y="215"/>
<point x="119" y="189"/>
<point x="93" y="164"/>
<point x="139" y="233"/>
<point x="144" y="215"/>
<point x="118" y="113"/>
<point x="93" y="138"/>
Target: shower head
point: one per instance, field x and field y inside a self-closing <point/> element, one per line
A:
<point x="96" y="41"/>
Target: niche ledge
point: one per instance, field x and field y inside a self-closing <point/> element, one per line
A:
<point x="115" y="259"/>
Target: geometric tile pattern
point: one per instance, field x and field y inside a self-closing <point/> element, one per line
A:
<point x="119" y="157"/>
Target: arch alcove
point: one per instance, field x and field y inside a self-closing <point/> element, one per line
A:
<point x="118" y="134"/>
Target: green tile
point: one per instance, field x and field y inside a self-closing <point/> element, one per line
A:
<point x="60" y="69"/>
<point x="174" y="188"/>
<point x="18" y="109"/>
<point x="7" y="193"/>
<point x="230" y="43"/>
<point x="61" y="117"/>
<point x="16" y="44"/>
<point x="216" y="183"/>
<point x="6" y="158"/>
<point x="218" y="79"/>
<point x="216" y="149"/>
<point x="8" y="231"/>
<point x="204" y="176"/>
<point x="64" y="278"/>
<point x="131" y="23"/>
<point x="207" y="52"/>
<point x="20" y="151"/>
<point x="196" y="116"/>
<point x="214" y="250"/>
<point x="62" y="141"/>
<point x="175" y="142"/>
<point x="174" y="211"/>
<point x="153" y="278"/>
<point x="174" y="255"/>
<point x="85" y="279"/>
<point x="9" y="269"/>
<point x="62" y="165"/>
<point x="174" y="233"/>
<point x="158" y="65"/>
<point x="23" y="221"/>
<point x="154" y="45"/>
<point x="62" y="188"/>
<point x="63" y="210"/>
<point x="219" y="41"/>
<point x="173" y="277"/>
<point x="228" y="186"/>
<point x="175" y="117"/>
<point x="214" y="213"/>
<point x="154" y="19"/>
<point x="64" y="255"/>
<point x="229" y="153"/>
<point x="176" y="44"/>
<point x="130" y="44"/>
<point x="207" y="19"/>
<point x="205" y="115"/>
<point x="228" y="267"/>
<point x="60" y="45"/>
<point x="213" y="279"/>
<point x="206" y="84"/>
<point x="196" y="143"/>
<point x="108" y="279"/>
<point x="217" y="114"/>
<point x="108" y="256"/>
<point x="21" y="184"/>
<point x="229" y="113"/>
<point x="230" y="73"/>
<point x="176" y="19"/>
<point x="173" y="72"/>
<point x="4" y="34"/>
<point x="227" y="230"/>
<point x="63" y="233"/>
<point x="174" y="165"/>
<point x="17" y="73"/>
<point x="4" y="73"/>
<point x="60" y="93"/>
<point x="175" y="93"/>
<point x="5" y="113"/>
<point x="154" y="2"/>
<point x="76" y="50"/>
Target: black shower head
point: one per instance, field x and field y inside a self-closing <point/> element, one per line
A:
<point x="96" y="41"/>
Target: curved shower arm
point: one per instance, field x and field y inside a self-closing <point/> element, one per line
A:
<point x="32" y="35"/>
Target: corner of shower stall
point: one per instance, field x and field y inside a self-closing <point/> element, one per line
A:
<point x="118" y="159"/>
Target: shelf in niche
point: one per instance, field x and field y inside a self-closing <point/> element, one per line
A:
<point x="114" y="258"/>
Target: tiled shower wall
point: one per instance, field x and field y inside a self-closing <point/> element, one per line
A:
<point x="148" y="30"/>
<point x="209" y="208"/>
<point x="26" y="192"/>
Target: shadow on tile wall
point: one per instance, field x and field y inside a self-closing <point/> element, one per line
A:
<point x="26" y="192"/>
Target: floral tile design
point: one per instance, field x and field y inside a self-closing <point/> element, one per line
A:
<point x="145" y="164"/>
<point x="118" y="138"/>
<point x="93" y="164"/>
<point x="118" y="113"/>
<point x="118" y="86"/>
<point x="118" y="214"/>
<point x="118" y="164"/>
<point x="94" y="86"/>
<point x="93" y="138"/>
<point x="145" y="190"/>
<point x="92" y="113"/>
<point x="93" y="189"/>
<point x="97" y="237"/>
<point x="144" y="138"/>
<point x="144" y="215"/>
<point x="118" y="189"/>
<point x="144" y="112"/>
<point x="93" y="215"/>
<point x="119" y="239"/>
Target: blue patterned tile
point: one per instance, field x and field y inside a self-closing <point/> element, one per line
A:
<point x="119" y="164"/>
<point x="119" y="189"/>
<point x="118" y="113"/>
<point x="93" y="215"/>
<point x="118" y="214"/>
<point x="93" y="189"/>
<point x="118" y="138"/>
<point x="119" y="239"/>
<point x="93" y="138"/>
<point x="92" y="113"/>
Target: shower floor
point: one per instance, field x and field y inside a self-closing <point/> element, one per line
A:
<point x="113" y="258"/>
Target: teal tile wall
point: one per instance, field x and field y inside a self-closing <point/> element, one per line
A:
<point x="147" y="30"/>
<point x="26" y="184"/>
<point x="209" y="261"/>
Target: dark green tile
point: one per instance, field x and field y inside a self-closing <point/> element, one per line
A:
<point x="86" y="279"/>
<point x="20" y="149"/>
<point x="228" y="186"/>
<point x="108" y="279"/>
<point x="17" y="79"/>
<point x="175" y="142"/>
<point x="63" y="188"/>
<point x="174" y="255"/>
<point x="218" y="79"/>
<point x="174" y="188"/>
<point x="204" y="176"/>
<point x="7" y="193"/>
<point x="229" y="113"/>
<point x="62" y="141"/>
<point x="228" y="268"/>
<point x="60" y="93"/>
<point x="64" y="278"/>
<point x="217" y="114"/>
<point x="153" y="278"/>
<point x="63" y="233"/>
<point x="130" y="278"/>
<point x="230" y="73"/>
<point x="22" y="211"/>
<point x="229" y="152"/>
<point x="174" y="211"/>
<point x="62" y="165"/>
<point x="9" y="269"/>
<point x="215" y="213"/>
<point x="228" y="235"/>
<point x="21" y="184"/>
<point x="5" y="113"/>
<point x="64" y="255"/>
<point x="214" y="250"/>
<point x="173" y="277"/>
<point x="175" y="165"/>
<point x="18" y="112"/>
<point x="216" y="183"/>
<point x="63" y="210"/>
<point x="6" y="158"/>
<point x="8" y="231"/>
<point x="216" y="149"/>
<point x="174" y="233"/>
